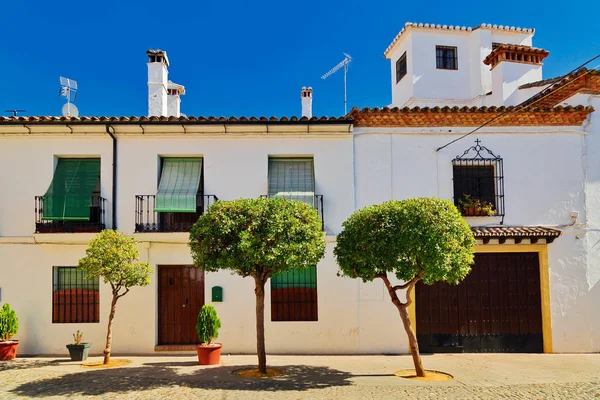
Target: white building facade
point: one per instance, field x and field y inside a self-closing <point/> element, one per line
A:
<point x="537" y="178"/>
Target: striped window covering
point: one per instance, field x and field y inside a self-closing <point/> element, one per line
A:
<point x="69" y="196"/>
<point x="179" y="183"/>
<point x="292" y="179"/>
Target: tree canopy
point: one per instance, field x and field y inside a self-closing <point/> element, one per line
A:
<point x="113" y="256"/>
<point x="426" y="236"/>
<point x="257" y="237"/>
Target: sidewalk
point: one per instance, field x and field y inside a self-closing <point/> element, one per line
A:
<point x="476" y="376"/>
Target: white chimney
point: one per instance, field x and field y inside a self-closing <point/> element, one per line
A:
<point x="513" y="66"/>
<point x="174" y="92"/>
<point x="306" y="96"/>
<point x="157" y="82"/>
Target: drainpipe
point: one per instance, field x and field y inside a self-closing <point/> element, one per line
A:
<point x="114" y="177"/>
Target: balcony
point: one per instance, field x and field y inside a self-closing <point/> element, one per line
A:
<point x="95" y="223"/>
<point x="148" y="220"/>
<point x="318" y="204"/>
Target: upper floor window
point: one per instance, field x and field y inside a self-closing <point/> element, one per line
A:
<point x="72" y="202"/>
<point x="179" y="200"/>
<point x="75" y="299"/>
<point x="478" y="177"/>
<point x="446" y="57"/>
<point x="292" y="179"/>
<point x="401" y="67"/>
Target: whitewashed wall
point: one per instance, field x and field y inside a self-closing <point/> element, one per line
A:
<point x="544" y="173"/>
<point x="425" y="85"/>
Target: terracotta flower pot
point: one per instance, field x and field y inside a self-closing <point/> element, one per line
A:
<point x="209" y="354"/>
<point x="8" y="350"/>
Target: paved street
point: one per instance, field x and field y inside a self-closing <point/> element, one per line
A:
<point x="476" y="376"/>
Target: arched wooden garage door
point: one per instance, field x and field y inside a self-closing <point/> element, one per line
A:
<point x="497" y="308"/>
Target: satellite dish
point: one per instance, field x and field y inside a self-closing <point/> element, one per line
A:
<point x="70" y="110"/>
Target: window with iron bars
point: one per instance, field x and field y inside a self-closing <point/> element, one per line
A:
<point x="478" y="180"/>
<point x="75" y="299"/>
<point x="294" y="295"/>
<point x="446" y="57"/>
<point x="401" y="67"/>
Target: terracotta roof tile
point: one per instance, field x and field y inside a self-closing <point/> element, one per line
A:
<point x="586" y="81"/>
<point x="412" y="25"/>
<point x="515" y="232"/>
<point x="503" y="48"/>
<point x="171" y="119"/>
<point x="465" y="116"/>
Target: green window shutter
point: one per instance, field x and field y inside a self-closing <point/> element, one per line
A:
<point x="179" y="183"/>
<point x="305" y="278"/>
<point x="292" y="179"/>
<point x="69" y="194"/>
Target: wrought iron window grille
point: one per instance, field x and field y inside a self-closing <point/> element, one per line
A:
<point x="401" y="67"/>
<point x="149" y="220"/>
<point x="96" y="223"/>
<point x="478" y="180"/>
<point x="446" y="57"/>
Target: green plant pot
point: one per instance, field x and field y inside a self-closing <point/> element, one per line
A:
<point x="79" y="352"/>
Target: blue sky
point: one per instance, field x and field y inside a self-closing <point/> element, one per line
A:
<point x="245" y="57"/>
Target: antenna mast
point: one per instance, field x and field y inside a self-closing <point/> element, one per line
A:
<point x="68" y="87"/>
<point x="344" y="63"/>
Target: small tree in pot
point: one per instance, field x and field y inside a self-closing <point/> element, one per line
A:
<point x="207" y="327"/>
<point x="9" y="325"/>
<point x="78" y="350"/>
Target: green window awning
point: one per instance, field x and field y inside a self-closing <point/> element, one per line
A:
<point x="179" y="183"/>
<point x="292" y="179"/>
<point x="69" y="196"/>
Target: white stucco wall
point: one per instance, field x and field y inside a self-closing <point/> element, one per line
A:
<point x="544" y="176"/>
<point x="28" y="165"/>
<point x="462" y="87"/>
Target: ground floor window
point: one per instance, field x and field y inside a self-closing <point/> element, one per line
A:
<point x="294" y="296"/>
<point x="75" y="299"/>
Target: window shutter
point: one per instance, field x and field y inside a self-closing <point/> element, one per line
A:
<point x="179" y="183"/>
<point x="292" y="179"/>
<point x="69" y="194"/>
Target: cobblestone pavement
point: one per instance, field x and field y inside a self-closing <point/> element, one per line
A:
<point x="501" y="376"/>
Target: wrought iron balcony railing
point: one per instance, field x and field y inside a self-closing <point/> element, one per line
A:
<point x="318" y="204"/>
<point x="96" y="222"/>
<point x="148" y="220"/>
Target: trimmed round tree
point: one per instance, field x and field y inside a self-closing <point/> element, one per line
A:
<point x="424" y="239"/>
<point x="258" y="238"/>
<point x="113" y="256"/>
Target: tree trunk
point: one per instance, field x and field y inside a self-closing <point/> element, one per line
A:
<point x="113" y="307"/>
<point x="403" y="310"/>
<point x="259" y="290"/>
<point x="412" y="341"/>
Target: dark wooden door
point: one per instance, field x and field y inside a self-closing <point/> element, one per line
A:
<point x="180" y="298"/>
<point x="497" y="308"/>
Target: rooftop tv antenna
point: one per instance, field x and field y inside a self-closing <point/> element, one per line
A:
<point x="333" y="70"/>
<point x="14" y="112"/>
<point x="68" y="90"/>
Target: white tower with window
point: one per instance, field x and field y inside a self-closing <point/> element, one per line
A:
<point x="441" y="65"/>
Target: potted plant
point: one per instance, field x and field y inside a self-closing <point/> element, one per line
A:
<point x="9" y="325"/>
<point x="78" y="350"/>
<point x="475" y="207"/>
<point x="207" y="327"/>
